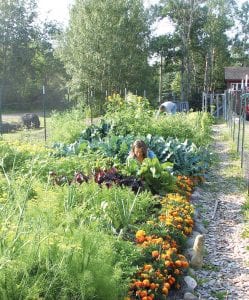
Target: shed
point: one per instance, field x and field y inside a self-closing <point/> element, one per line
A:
<point x="234" y="77"/>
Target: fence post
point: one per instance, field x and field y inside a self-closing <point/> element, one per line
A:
<point x="1" y="120"/>
<point x="91" y="102"/>
<point x="203" y="101"/>
<point x="44" y="113"/>
<point x="243" y="131"/>
<point x="240" y="112"/>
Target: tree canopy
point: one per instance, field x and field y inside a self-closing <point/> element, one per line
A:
<point x="107" y="47"/>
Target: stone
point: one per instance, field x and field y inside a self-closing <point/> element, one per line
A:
<point x="191" y="240"/>
<point x="198" y="251"/>
<point x="200" y="228"/>
<point x="31" y="120"/>
<point x="195" y="196"/>
<point x="191" y="272"/>
<point x="191" y="283"/>
<point x="9" y="127"/>
<point x="189" y="296"/>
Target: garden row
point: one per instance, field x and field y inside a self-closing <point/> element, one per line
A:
<point x="78" y="222"/>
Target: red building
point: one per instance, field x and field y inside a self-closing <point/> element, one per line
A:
<point x="234" y="77"/>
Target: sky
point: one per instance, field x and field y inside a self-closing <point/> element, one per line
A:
<point x="59" y="10"/>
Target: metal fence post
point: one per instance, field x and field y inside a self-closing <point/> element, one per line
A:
<point x="44" y="112"/>
<point x="1" y="120"/>
<point x="240" y="113"/>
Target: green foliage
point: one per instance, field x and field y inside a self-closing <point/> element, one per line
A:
<point x="27" y="57"/>
<point x="10" y="158"/>
<point x="53" y="239"/>
<point x="132" y="116"/>
<point x="67" y="126"/>
<point x="129" y="258"/>
<point x="45" y="233"/>
<point x="86" y="163"/>
<point x="115" y="209"/>
<point x="156" y="176"/>
<point x="194" y="126"/>
<point x="114" y="52"/>
<point x="187" y="159"/>
<point x="73" y="266"/>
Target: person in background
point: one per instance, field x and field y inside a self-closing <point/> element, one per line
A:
<point x="140" y="151"/>
<point x="168" y="107"/>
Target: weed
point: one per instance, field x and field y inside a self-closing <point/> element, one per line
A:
<point x="220" y="295"/>
<point x="211" y="267"/>
<point x="205" y="223"/>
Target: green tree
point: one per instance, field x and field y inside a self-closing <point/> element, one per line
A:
<point x="27" y="58"/>
<point x="240" y="43"/>
<point x="201" y="42"/>
<point x="219" y="20"/>
<point x="106" y="46"/>
<point x="16" y="33"/>
<point x="183" y="13"/>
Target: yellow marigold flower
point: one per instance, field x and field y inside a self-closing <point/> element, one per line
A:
<point x="140" y="233"/>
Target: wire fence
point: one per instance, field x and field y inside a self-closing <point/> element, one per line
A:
<point x="237" y="118"/>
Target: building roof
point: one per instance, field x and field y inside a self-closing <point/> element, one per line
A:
<point x="237" y="73"/>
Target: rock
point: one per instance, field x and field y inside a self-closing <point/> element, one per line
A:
<point x="195" y="196"/>
<point x="191" y="240"/>
<point x="9" y="127"/>
<point x="31" y="120"/>
<point x="189" y="253"/>
<point x="197" y="214"/>
<point x="191" y="272"/>
<point x="189" y="296"/>
<point x="198" y="251"/>
<point x="200" y="228"/>
<point x="191" y="283"/>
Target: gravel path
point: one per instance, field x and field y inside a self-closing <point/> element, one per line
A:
<point x="225" y="274"/>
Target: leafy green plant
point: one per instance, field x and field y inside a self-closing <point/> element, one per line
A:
<point x="187" y="159"/>
<point x="156" y="175"/>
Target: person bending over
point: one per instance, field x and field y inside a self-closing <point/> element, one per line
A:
<point x="140" y="151"/>
<point x="168" y="107"/>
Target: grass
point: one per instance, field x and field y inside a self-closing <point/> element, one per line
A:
<point x="221" y="295"/>
<point x="205" y="223"/>
<point x="211" y="267"/>
<point x="26" y="135"/>
<point x="234" y="174"/>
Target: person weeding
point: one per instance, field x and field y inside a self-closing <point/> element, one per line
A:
<point x="140" y="151"/>
<point x="168" y="107"/>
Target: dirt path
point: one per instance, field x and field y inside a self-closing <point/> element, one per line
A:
<point x="225" y="274"/>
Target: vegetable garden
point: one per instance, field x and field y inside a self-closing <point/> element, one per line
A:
<point x="79" y="222"/>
